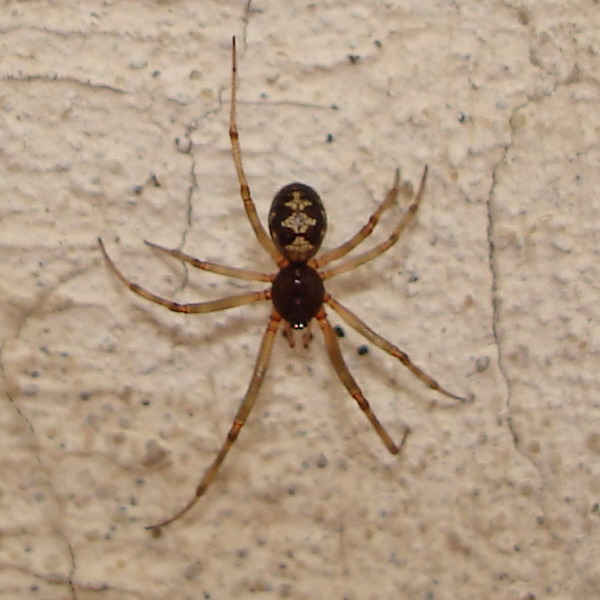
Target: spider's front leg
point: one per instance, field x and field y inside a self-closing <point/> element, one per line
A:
<point x="333" y="348"/>
<point x="388" y="347"/>
<point x="260" y="368"/>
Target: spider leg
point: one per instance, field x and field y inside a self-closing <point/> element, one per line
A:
<point x="364" y="231"/>
<point x="383" y="246"/>
<point x="194" y="307"/>
<point x="260" y="368"/>
<point x="378" y="340"/>
<point x="265" y="241"/>
<point x="213" y="267"/>
<point x="350" y="384"/>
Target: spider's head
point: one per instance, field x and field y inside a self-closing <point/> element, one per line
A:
<point x="297" y="222"/>
<point x="297" y="293"/>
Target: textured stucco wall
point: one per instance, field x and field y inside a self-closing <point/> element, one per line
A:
<point x="112" y="407"/>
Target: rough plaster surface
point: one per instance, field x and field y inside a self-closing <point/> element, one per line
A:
<point x="112" y="407"/>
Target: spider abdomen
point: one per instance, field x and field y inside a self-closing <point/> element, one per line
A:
<point x="297" y="294"/>
<point x="297" y="222"/>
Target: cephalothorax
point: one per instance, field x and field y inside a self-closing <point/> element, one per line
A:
<point x="297" y="224"/>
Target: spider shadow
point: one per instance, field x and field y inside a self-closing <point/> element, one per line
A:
<point x="177" y="327"/>
<point x="376" y="361"/>
<point x="377" y="364"/>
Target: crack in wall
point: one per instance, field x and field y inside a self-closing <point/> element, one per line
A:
<point x="35" y="445"/>
<point x="496" y="300"/>
<point x="494" y="271"/>
<point x="185" y="145"/>
<point x="496" y="320"/>
<point x="54" y="78"/>
<point x="68" y="580"/>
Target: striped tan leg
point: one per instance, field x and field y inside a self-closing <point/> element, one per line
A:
<point x="193" y="307"/>
<point x="382" y="343"/>
<point x="386" y="244"/>
<point x="265" y="241"/>
<point x="350" y="384"/>
<point x="364" y="232"/>
<point x="247" y="274"/>
<point x="260" y="368"/>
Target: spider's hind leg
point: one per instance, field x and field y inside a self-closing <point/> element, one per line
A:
<point x="380" y="248"/>
<point x="265" y="241"/>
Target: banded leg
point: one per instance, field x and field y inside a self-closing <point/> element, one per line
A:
<point x="213" y="267"/>
<point x="386" y="244"/>
<point x="350" y="384"/>
<point x="382" y="343"/>
<point x="260" y="368"/>
<point x="265" y="241"/>
<point x="194" y="307"/>
<point x="364" y="231"/>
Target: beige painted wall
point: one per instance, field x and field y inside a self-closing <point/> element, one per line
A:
<point x="112" y="407"/>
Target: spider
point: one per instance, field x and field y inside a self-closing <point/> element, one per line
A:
<point x="297" y="224"/>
